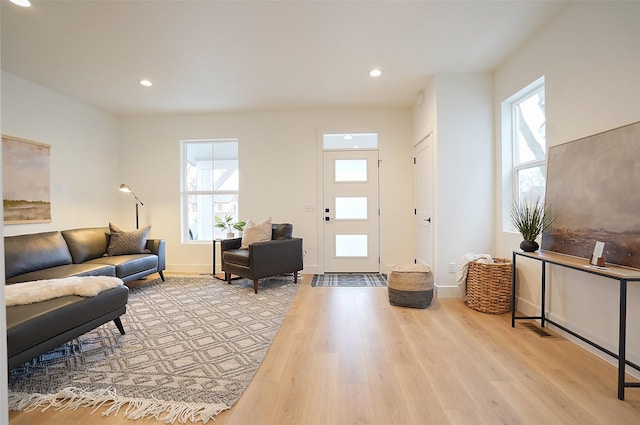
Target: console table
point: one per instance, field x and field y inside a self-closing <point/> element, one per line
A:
<point x="621" y="274"/>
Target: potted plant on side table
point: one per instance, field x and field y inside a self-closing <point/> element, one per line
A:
<point x="229" y="225"/>
<point x="531" y="218"/>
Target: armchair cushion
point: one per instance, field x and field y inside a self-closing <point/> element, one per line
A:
<point x="237" y="256"/>
<point x="253" y="232"/>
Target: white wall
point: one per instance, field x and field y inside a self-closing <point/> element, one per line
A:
<point x="465" y="188"/>
<point x="93" y="152"/>
<point x="278" y="154"/>
<point x="84" y="167"/>
<point x="463" y="172"/>
<point x="588" y="55"/>
<point x="84" y="154"/>
<point x="4" y="410"/>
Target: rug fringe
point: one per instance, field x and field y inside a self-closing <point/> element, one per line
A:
<point x="72" y="398"/>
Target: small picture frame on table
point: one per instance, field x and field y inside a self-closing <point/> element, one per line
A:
<point x="596" y="258"/>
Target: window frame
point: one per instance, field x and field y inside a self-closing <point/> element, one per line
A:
<point x="511" y="166"/>
<point x="186" y="193"/>
<point x="518" y="166"/>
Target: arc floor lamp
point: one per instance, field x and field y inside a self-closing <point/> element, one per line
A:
<point x="125" y="188"/>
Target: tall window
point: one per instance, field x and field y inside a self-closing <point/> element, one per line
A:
<point x="523" y="148"/>
<point x="528" y="143"/>
<point x="210" y="187"/>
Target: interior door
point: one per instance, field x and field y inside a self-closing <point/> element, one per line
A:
<point x="351" y="211"/>
<point x="423" y="172"/>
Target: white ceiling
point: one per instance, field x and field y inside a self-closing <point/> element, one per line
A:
<point x="212" y="56"/>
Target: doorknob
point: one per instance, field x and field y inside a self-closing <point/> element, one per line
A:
<point x="428" y="219"/>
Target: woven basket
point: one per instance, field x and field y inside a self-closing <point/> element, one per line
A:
<point x="489" y="286"/>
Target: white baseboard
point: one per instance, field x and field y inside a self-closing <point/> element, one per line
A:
<point x="448" y="291"/>
<point x="192" y="268"/>
<point x="207" y="268"/>
<point x="310" y="269"/>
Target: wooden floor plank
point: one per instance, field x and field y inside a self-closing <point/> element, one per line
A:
<point x="345" y="356"/>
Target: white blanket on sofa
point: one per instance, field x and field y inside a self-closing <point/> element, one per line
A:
<point x="42" y="290"/>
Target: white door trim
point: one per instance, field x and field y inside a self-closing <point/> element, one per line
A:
<point x="320" y="190"/>
<point x="368" y="260"/>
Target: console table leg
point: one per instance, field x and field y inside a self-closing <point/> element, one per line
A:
<point x="513" y="290"/>
<point x="622" y="338"/>
<point x="543" y="296"/>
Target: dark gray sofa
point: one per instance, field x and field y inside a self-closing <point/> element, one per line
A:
<point x="33" y="329"/>
<point x="77" y="252"/>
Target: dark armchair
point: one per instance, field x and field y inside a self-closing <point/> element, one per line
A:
<point x="281" y="255"/>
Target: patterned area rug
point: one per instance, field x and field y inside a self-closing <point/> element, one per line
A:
<point x="349" y="279"/>
<point x="192" y="346"/>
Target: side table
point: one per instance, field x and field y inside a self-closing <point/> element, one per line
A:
<point x="214" y="258"/>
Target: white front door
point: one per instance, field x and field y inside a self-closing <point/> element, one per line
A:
<point x="424" y="203"/>
<point x="350" y="211"/>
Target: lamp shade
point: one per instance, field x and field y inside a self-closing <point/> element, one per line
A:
<point x="125" y="188"/>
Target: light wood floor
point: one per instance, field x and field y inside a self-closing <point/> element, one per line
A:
<point x="345" y="356"/>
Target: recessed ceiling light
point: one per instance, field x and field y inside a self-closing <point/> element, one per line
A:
<point x="375" y="72"/>
<point x="23" y="3"/>
<point x="146" y="83"/>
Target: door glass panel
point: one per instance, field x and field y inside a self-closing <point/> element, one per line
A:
<point x="351" y="245"/>
<point x="351" y="208"/>
<point x="351" y="170"/>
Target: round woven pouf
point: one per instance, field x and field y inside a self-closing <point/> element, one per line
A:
<point x="410" y="286"/>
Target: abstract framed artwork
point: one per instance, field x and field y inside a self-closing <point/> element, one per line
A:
<point x="26" y="181"/>
<point x="593" y="185"/>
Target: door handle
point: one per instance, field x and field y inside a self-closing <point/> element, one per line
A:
<point x="428" y="219"/>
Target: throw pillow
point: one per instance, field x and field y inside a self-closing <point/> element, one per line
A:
<point x="253" y="232"/>
<point x="123" y="242"/>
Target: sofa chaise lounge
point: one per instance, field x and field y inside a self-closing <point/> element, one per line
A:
<point x="33" y="329"/>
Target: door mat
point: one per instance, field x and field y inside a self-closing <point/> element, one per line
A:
<point x="349" y="279"/>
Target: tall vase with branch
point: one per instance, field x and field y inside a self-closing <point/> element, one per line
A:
<point x="531" y="219"/>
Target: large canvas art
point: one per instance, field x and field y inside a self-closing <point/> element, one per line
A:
<point x="26" y="181"/>
<point x="594" y="184"/>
